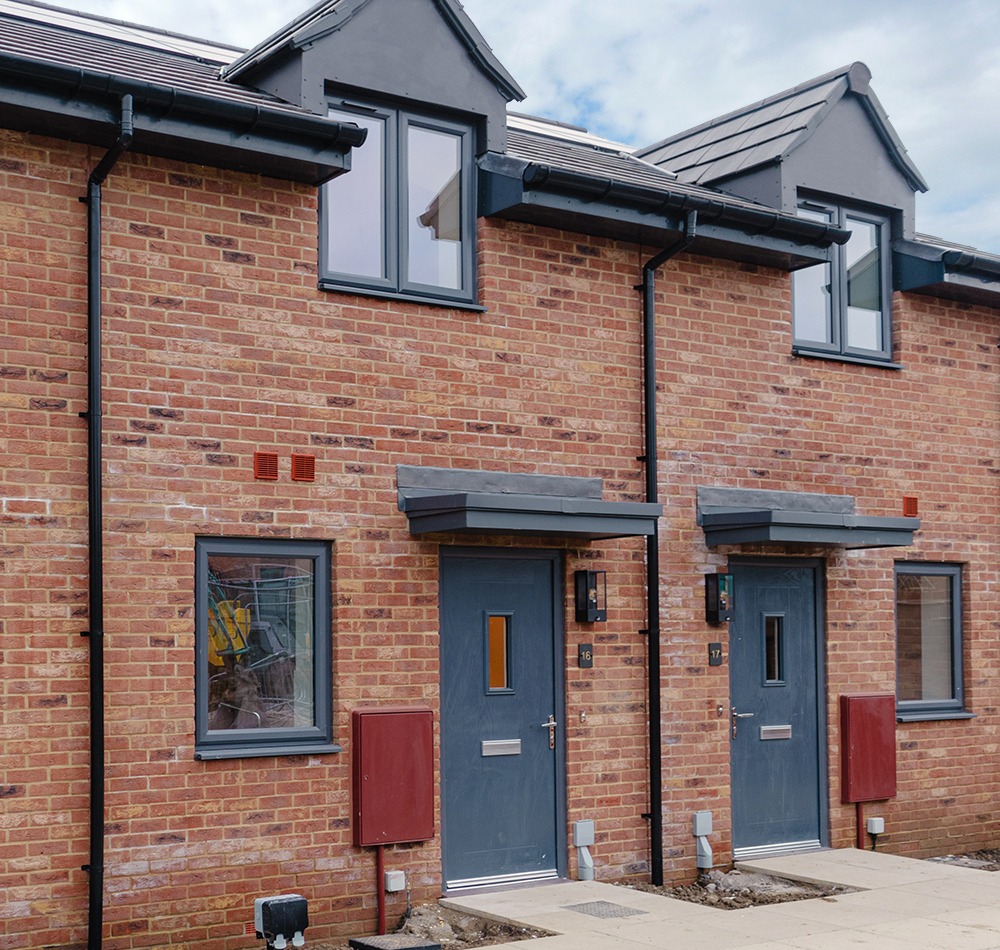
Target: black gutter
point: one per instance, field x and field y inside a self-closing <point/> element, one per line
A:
<point x="648" y="288"/>
<point x="249" y="116"/>
<point x="95" y="485"/>
<point x="656" y="200"/>
<point x="968" y="262"/>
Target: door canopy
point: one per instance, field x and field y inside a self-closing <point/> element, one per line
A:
<point x="457" y="501"/>
<point x="747" y="516"/>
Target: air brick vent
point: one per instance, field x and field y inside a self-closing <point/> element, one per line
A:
<point x="265" y="465"/>
<point x="303" y="468"/>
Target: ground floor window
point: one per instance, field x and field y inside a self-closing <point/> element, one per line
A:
<point x="262" y="632"/>
<point x="928" y="640"/>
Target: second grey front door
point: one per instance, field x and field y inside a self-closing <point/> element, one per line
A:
<point x="501" y="717"/>
<point x="775" y="695"/>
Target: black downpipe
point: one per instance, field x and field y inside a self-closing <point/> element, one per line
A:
<point x="95" y="485"/>
<point x="648" y="288"/>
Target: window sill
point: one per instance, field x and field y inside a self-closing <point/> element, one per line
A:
<point x="455" y="304"/>
<point x="249" y="752"/>
<point x="845" y="358"/>
<point x="929" y="715"/>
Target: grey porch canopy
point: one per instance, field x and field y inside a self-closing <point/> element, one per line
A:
<point x="459" y="501"/>
<point x="748" y="516"/>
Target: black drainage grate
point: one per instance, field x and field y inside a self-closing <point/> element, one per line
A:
<point x="392" y="942"/>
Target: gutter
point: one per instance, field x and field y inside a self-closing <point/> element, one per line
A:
<point x="646" y="198"/>
<point x="249" y="116"/>
<point x="95" y="486"/>
<point x="648" y="289"/>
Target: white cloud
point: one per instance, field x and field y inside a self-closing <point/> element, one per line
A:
<point x="638" y="70"/>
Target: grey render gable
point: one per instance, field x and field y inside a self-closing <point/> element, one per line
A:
<point x="426" y="53"/>
<point x="829" y="136"/>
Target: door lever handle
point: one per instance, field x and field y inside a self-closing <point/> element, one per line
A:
<point x="738" y="715"/>
<point x="551" y="724"/>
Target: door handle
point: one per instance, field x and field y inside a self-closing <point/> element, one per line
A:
<point x="738" y="715"/>
<point x="551" y="724"/>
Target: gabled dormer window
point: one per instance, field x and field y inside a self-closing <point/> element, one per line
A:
<point x="402" y="221"/>
<point x="842" y="309"/>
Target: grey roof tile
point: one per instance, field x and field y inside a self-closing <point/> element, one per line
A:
<point x="105" y="52"/>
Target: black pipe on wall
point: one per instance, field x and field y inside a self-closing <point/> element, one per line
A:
<point x="95" y="486"/>
<point x="648" y="288"/>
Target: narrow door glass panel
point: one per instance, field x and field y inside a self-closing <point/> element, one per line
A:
<point x="434" y="207"/>
<point x="924" y="637"/>
<point x="355" y="206"/>
<point x="774" y="630"/>
<point x="498" y="653"/>
<point x="863" y="259"/>
<point x="260" y="627"/>
<point x="811" y="296"/>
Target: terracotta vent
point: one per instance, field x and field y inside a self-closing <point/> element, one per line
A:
<point x="911" y="507"/>
<point x="303" y="468"/>
<point x="265" y="465"/>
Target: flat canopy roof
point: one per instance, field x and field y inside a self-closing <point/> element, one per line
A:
<point x="456" y="501"/>
<point x="748" y="516"/>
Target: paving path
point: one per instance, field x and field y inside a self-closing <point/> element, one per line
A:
<point x="900" y="904"/>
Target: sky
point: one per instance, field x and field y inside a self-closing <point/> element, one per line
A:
<point x="639" y="70"/>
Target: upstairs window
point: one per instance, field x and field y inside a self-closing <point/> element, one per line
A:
<point x="401" y="222"/>
<point x="841" y="309"/>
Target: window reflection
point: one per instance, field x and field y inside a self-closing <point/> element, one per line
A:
<point x="434" y="212"/>
<point x="864" y="286"/>
<point x="813" y="307"/>
<point x="260" y="642"/>
<point x="924" y="637"/>
<point x="356" y="222"/>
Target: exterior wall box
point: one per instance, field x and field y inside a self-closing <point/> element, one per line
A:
<point x="393" y="775"/>
<point x="868" y="744"/>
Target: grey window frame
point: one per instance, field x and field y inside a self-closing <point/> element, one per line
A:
<point x="923" y="709"/>
<point x="838" y="347"/>
<point x="245" y="743"/>
<point x="396" y="283"/>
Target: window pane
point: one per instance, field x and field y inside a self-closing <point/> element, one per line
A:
<point x="355" y="206"/>
<point x="864" y="286"/>
<point x="434" y="210"/>
<point x="813" y="310"/>
<point x="773" y="649"/>
<point x="499" y="653"/>
<point x="260" y="627"/>
<point x="811" y="296"/>
<point x="924" y="637"/>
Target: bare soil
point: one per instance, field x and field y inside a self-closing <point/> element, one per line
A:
<point x="735" y="890"/>
<point x="986" y="860"/>
<point x="453" y="930"/>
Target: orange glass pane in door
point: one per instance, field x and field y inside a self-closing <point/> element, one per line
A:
<point x="498" y="652"/>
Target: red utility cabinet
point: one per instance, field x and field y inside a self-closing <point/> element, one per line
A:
<point x="393" y="774"/>
<point x="868" y="747"/>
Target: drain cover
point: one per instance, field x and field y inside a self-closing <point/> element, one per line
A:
<point x="605" y="909"/>
<point x="392" y="942"/>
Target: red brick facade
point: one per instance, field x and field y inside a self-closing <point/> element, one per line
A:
<point x="217" y="344"/>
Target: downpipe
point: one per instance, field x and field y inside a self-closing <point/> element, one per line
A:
<point x="95" y="535"/>
<point x="648" y="288"/>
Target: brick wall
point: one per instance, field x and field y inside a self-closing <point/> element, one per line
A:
<point x="217" y="344"/>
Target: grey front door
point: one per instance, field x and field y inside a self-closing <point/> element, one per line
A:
<point x="778" y="762"/>
<point x="501" y="717"/>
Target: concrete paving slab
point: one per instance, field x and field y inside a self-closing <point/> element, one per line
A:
<point x="902" y="904"/>
<point x="945" y="935"/>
